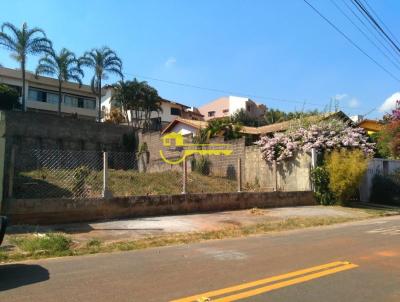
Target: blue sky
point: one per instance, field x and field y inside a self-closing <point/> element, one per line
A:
<point x="270" y="49"/>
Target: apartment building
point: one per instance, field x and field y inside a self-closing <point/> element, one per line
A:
<point x="229" y="105"/>
<point x="42" y="94"/>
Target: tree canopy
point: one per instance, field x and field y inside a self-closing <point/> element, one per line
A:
<point x="8" y="98"/>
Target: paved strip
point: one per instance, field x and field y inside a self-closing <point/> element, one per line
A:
<point x="278" y="285"/>
<point x="264" y="281"/>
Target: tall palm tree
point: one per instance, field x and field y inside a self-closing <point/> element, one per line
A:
<point x="102" y="61"/>
<point x="23" y="42"/>
<point x="65" y="66"/>
<point x="151" y="103"/>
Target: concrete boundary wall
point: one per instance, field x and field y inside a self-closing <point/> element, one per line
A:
<point x="52" y="211"/>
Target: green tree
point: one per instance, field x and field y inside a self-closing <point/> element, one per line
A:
<point x="64" y="66"/>
<point x="103" y="61"/>
<point x="242" y="117"/>
<point x="137" y="100"/>
<point x="8" y="97"/>
<point x="273" y="116"/>
<point x="151" y="103"/>
<point x="216" y="127"/>
<point x="23" y="42"/>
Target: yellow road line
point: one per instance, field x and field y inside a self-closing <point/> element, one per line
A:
<point x="261" y="282"/>
<point x="278" y="285"/>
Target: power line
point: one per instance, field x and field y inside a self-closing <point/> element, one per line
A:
<point x="364" y="34"/>
<point x="229" y="92"/>
<point x="351" y="41"/>
<point x="379" y="19"/>
<point x="376" y="24"/>
<point x="390" y="50"/>
<point x="393" y="50"/>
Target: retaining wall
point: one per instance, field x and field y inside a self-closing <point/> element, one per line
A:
<point x="52" y="211"/>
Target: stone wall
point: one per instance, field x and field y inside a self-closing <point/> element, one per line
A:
<point x="33" y="130"/>
<point x="51" y="211"/>
<point x="47" y="131"/>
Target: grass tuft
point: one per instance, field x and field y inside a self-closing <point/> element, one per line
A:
<point x="49" y="244"/>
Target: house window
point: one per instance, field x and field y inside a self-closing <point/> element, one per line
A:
<point x="175" y="111"/>
<point x="81" y="102"/>
<point x="248" y="107"/>
<point x="89" y="104"/>
<point x="211" y="113"/>
<point x="36" y="95"/>
<point x="52" y="98"/>
<point x="225" y="111"/>
<point x="71" y="101"/>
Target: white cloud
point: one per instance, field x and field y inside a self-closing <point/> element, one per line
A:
<point x="354" y="103"/>
<point x="170" y="62"/>
<point x="340" y="96"/>
<point x="390" y="103"/>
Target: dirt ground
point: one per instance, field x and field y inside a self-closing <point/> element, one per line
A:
<point x="128" y="229"/>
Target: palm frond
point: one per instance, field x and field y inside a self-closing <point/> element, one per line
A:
<point x="39" y="45"/>
<point x="8" y="42"/>
<point x="45" y="70"/>
<point x="11" y="27"/>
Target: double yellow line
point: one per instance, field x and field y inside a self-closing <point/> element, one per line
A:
<point x="295" y="277"/>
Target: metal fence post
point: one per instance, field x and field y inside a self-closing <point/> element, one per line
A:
<point x="106" y="193"/>
<point x="184" y="176"/>
<point x="11" y="173"/>
<point x="239" y="177"/>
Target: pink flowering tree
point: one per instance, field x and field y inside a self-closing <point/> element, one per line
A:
<point x="396" y="112"/>
<point x="321" y="136"/>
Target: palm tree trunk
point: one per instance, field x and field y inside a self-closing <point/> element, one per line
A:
<point x="99" y="97"/>
<point x="59" y="97"/>
<point x="23" y="84"/>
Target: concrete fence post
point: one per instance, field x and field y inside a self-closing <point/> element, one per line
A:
<point x="184" y="176"/>
<point x="276" y="176"/>
<point x="106" y="193"/>
<point x="313" y="166"/>
<point x="239" y="174"/>
<point x="11" y="172"/>
<point x="313" y="158"/>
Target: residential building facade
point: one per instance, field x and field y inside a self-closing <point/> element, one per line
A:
<point x="228" y="105"/>
<point x="42" y="94"/>
<point x="170" y="110"/>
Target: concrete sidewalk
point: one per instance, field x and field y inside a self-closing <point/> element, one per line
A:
<point x="128" y="229"/>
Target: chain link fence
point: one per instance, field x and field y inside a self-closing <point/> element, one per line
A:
<point x="91" y="174"/>
<point x="212" y="174"/>
<point x="57" y="173"/>
<point x="81" y="174"/>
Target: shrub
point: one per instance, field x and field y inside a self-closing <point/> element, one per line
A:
<point x="79" y="180"/>
<point x="320" y="179"/>
<point x="345" y="169"/>
<point x="201" y="165"/>
<point x="53" y="243"/>
<point x="8" y="98"/>
<point x="386" y="189"/>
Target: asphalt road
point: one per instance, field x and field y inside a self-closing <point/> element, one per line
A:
<point x="349" y="262"/>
